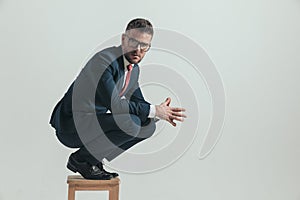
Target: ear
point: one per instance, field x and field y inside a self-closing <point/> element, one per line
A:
<point x="123" y="37"/>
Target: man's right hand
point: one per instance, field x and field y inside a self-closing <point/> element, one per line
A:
<point x="165" y="112"/>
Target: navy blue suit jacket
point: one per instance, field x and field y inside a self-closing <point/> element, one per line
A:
<point x="96" y="90"/>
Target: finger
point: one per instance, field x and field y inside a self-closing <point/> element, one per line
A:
<point x="177" y="118"/>
<point x="168" y="101"/>
<point x="171" y="122"/>
<point x="177" y="114"/>
<point x="177" y="109"/>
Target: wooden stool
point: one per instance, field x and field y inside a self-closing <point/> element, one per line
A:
<point x="77" y="183"/>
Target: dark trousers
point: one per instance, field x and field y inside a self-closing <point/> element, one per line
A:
<point x="121" y="131"/>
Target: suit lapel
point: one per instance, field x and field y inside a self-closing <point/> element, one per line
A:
<point x="119" y="79"/>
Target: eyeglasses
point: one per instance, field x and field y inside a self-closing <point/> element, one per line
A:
<point x="135" y="43"/>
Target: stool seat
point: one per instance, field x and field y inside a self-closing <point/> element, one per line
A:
<point x="77" y="183"/>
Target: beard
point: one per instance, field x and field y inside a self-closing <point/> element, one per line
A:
<point x="134" y="56"/>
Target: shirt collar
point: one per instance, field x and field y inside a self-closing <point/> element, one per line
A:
<point x="126" y="63"/>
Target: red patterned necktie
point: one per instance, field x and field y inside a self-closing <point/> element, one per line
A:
<point x="129" y="67"/>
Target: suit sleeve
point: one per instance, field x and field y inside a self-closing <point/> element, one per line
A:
<point x="108" y="94"/>
<point x="135" y="94"/>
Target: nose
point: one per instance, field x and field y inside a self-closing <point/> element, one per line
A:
<point x="138" y="47"/>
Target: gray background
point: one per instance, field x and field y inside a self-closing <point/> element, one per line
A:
<point x="255" y="46"/>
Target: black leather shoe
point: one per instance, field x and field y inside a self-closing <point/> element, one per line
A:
<point x="86" y="170"/>
<point x="113" y="174"/>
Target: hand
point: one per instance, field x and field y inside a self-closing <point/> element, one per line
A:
<point x="165" y="112"/>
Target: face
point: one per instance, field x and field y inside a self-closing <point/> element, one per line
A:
<point x="134" y="44"/>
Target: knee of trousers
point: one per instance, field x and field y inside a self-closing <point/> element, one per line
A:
<point x="131" y="125"/>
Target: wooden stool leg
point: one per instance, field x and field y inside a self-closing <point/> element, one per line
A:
<point x="114" y="193"/>
<point x="71" y="192"/>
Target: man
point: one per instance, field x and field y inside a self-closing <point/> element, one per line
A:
<point x="107" y="90"/>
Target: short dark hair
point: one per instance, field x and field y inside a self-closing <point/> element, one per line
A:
<point x="142" y="25"/>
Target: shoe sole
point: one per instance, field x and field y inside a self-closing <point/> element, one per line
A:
<point x="72" y="167"/>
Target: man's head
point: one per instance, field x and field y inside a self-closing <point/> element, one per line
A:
<point x="136" y="40"/>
